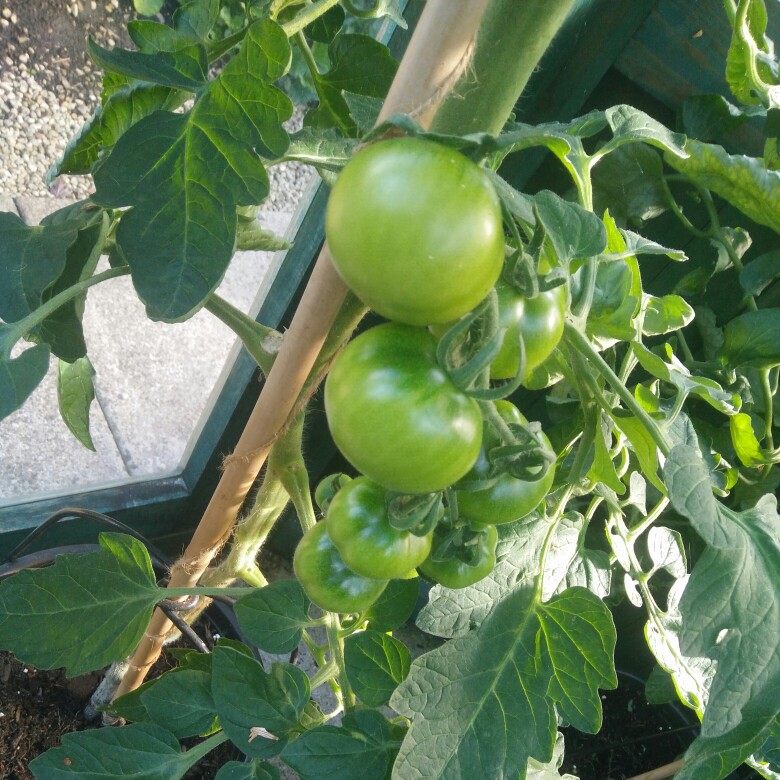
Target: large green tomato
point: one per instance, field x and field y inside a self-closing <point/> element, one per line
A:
<point x="359" y="525"/>
<point x="507" y="499"/>
<point x="327" y="580"/>
<point x="470" y="565"/>
<point x="538" y="321"/>
<point x="396" y="416"/>
<point x="415" y="230"/>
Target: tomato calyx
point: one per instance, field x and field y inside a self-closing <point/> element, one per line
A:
<point x="417" y="513"/>
<point x="466" y="350"/>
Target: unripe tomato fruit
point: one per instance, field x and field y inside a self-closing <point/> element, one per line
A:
<point x="537" y="321"/>
<point x="359" y="526"/>
<point x="327" y="580"/>
<point x="508" y="498"/>
<point x="415" y="230"/>
<point x="459" y="572"/>
<point x="396" y="416"/>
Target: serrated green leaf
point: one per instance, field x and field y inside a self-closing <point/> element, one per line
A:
<point x="363" y="109"/>
<point x="181" y="702"/>
<point x="153" y="37"/>
<point x="31" y="259"/>
<point x="256" y="770"/>
<point x="322" y="148"/>
<point x="107" y="596"/>
<point x="110" y="120"/>
<point x="141" y="750"/>
<point x="273" y="617"/>
<point x="394" y="606"/>
<point x="376" y="665"/>
<point x="19" y="376"/>
<point x="629" y="183"/>
<point x="184" y="174"/>
<point x="185" y="68"/>
<point x="753" y="339"/>
<point x="325" y="28"/>
<point x="250" y="236"/>
<point x="574" y="232"/>
<point x="246" y="697"/>
<point x="196" y="17"/>
<point x="742" y="181"/>
<point x="759" y="273"/>
<point x="75" y="393"/>
<point x="665" y="314"/>
<point x="580" y="638"/>
<point x="729" y="614"/>
<point x="480" y="704"/>
<point x="659" y="688"/>
<point x="745" y="70"/>
<point x="550" y="769"/>
<point x="361" y="749"/>
<point x="603" y="468"/>
<point x="148" y="7"/>
<point x="359" y="64"/>
<point x="614" y="306"/>
<point x="642" y="444"/>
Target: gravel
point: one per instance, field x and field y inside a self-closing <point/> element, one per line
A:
<point x="48" y="90"/>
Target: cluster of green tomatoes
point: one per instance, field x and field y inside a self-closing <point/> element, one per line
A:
<point x="415" y="229"/>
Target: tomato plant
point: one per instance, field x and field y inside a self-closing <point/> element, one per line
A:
<point x="466" y="564"/>
<point x="327" y="580"/>
<point x="359" y="525"/>
<point x="396" y="415"/>
<point x="506" y="498"/>
<point x="661" y="399"/>
<point x="415" y="230"/>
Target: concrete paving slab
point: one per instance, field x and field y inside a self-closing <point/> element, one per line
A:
<point x="39" y="455"/>
<point x="33" y="209"/>
<point x="154" y="379"/>
<point x="7" y="204"/>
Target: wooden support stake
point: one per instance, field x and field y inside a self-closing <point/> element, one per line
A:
<point x="437" y="55"/>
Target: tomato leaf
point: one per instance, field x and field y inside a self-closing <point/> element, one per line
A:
<point x="186" y="173"/>
<point x="459" y="694"/>
<point x="376" y="665"/>
<point x="273" y="617"/>
<point x="140" y="750"/>
<point x="574" y="232"/>
<point x="729" y="615"/>
<point x="752" y="339"/>
<point x="361" y="749"/>
<point x="709" y="117"/>
<point x="185" y="68"/>
<point x="664" y="314"/>
<point x="745" y="442"/>
<point x="760" y="272"/>
<point x="359" y="64"/>
<point x="246" y="697"/>
<point x="394" y="606"/>
<point x="181" y="702"/>
<point x="629" y="125"/>
<point x="196" y="17"/>
<point x="107" y="595"/>
<point x="453" y="613"/>
<point x="75" y="393"/>
<point x="256" y="770"/>
<point x="743" y="181"/>
<point x="20" y="375"/>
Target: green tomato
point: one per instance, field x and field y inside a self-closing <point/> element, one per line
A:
<point x="327" y="580"/>
<point x="415" y="230"/>
<point x="537" y="321"/>
<point x="470" y="564"/>
<point x="508" y="498"/>
<point x="359" y="525"/>
<point x="396" y="416"/>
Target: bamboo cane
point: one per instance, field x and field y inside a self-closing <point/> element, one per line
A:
<point x="436" y="57"/>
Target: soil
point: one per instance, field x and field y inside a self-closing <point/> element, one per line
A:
<point x="38" y="707"/>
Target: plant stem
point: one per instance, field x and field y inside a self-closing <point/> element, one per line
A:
<point x="324" y="674"/>
<point x="260" y="341"/>
<point x="196" y="752"/>
<point x="22" y="327"/>
<point x="287" y="461"/>
<point x="661" y="772"/>
<point x="305" y="18"/>
<point x="579" y="343"/>
<point x="637" y="531"/>
<point x="557" y="515"/>
<point x="766" y="390"/>
<point x="336" y="644"/>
